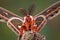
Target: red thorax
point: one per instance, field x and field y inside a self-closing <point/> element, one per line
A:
<point x="28" y="24"/>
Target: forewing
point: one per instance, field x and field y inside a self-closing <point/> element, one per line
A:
<point x="48" y="14"/>
<point x="12" y="18"/>
<point x="51" y="11"/>
<point x="7" y="14"/>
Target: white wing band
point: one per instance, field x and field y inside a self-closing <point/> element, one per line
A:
<point x="13" y="25"/>
<point x="13" y="19"/>
<point x="41" y="16"/>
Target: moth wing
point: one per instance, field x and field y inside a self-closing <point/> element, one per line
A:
<point x="48" y="14"/>
<point x="51" y="12"/>
<point x="12" y="18"/>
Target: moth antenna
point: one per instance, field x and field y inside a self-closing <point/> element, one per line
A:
<point x="23" y="11"/>
<point x="31" y="9"/>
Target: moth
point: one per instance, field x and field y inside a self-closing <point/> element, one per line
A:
<point x="29" y="22"/>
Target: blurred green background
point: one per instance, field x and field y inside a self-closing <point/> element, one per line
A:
<point x="51" y="29"/>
